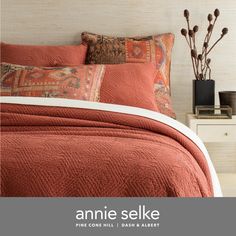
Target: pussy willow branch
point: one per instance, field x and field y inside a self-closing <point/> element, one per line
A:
<point x="207" y="40"/>
<point x="196" y="59"/>
<point x="187" y="41"/>
<point x="213" y="25"/>
<point x="208" y="35"/>
<point x="201" y="65"/>
<point x="209" y="72"/>
<point x="200" y="62"/>
<point x="214" y="44"/>
<point x="205" y="73"/>
<point x="208" y="68"/>
<point x="190" y="45"/>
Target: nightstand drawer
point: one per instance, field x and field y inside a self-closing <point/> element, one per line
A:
<point x="217" y="133"/>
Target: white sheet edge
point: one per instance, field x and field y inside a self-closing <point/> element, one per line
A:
<point x="60" y="102"/>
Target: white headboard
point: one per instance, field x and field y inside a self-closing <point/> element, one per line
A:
<point x="62" y="21"/>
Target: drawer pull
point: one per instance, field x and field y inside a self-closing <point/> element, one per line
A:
<point x="226" y="134"/>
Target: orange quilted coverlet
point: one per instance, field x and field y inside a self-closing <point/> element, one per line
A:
<point x="62" y="152"/>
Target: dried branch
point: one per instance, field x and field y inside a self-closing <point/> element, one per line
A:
<point x="224" y="32"/>
<point x="201" y="62"/>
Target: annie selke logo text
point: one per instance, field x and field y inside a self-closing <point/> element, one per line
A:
<point x="105" y="217"/>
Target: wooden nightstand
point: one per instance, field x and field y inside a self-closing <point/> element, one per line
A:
<point x="213" y="130"/>
<point x="223" y="132"/>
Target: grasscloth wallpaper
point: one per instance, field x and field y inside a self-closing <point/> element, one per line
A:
<point x="62" y="21"/>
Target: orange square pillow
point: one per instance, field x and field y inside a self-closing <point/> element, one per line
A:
<point x="129" y="84"/>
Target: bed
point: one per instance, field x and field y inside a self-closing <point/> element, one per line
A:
<point x="96" y="120"/>
<point x="59" y="147"/>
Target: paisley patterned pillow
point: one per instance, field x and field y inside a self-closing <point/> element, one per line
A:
<point x="116" y="50"/>
<point x="80" y="82"/>
<point x="125" y="84"/>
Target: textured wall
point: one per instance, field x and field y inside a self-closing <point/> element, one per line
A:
<point x="62" y="21"/>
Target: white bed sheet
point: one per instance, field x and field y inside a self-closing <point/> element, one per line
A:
<point x="60" y="102"/>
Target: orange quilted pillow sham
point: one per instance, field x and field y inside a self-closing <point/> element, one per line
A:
<point x="126" y="84"/>
<point x="129" y="84"/>
<point x="49" y="56"/>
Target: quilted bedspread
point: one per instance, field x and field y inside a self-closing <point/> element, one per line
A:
<point x="75" y="152"/>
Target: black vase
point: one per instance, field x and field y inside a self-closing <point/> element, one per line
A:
<point x="228" y="98"/>
<point x="203" y="93"/>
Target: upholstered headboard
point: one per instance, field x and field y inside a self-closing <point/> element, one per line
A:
<point x="62" y="21"/>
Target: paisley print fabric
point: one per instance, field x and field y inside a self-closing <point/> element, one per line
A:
<point x="81" y="82"/>
<point x="116" y="50"/>
<point x="104" y="49"/>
